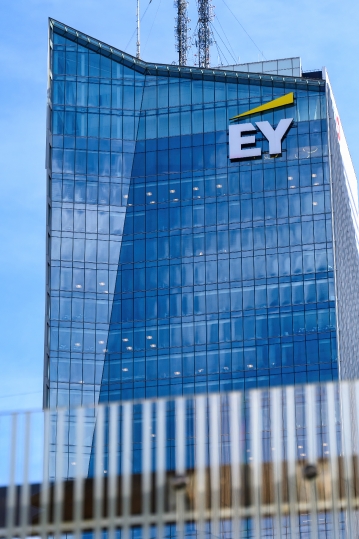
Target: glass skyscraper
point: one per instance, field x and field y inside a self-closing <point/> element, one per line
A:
<point x="173" y="269"/>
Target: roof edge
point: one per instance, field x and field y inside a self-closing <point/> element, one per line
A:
<point x="169" y="70"/>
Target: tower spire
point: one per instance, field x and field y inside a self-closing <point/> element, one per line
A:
<point x="205" y="16"/>
<point x="138" y="46"/>
<point x="181" y="31"/>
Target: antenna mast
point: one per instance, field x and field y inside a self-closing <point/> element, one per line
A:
<point x="138" y="30"/>
<point x="181" y="31"/>
<point x="205" y="16"/>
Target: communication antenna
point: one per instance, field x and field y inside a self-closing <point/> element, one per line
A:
<point x="205" y="16"/>
<point x="138" y="44"/>
<point x="181" y="31"/>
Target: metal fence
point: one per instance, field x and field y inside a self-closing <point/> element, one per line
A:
<point x="268" y="463"/>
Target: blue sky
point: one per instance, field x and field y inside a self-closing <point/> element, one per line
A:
<point x="322" y="33"/>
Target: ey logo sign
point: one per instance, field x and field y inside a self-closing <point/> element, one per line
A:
<point x="241" y="147"/>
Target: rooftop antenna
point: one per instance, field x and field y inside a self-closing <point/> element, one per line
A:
<point x="205" y="16"/>
<point x="138" y="44"/>
<point x="181" y="31"/>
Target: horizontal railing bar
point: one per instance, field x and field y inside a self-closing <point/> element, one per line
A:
<point x="171" y="517"/>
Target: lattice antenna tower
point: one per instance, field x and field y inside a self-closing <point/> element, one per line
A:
<point x="181" y="31"/>
<point x="205" y="16"/>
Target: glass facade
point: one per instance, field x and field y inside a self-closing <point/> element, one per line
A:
<point x="287" y="66"/>
<point x="171" y="269"/>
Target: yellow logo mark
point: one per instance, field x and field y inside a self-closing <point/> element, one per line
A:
<point x="287" y="99"/>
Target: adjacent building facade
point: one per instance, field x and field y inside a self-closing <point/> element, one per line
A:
<point x="173" y="269"/>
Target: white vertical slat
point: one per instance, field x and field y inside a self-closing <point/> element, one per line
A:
<point x="99" y="470"/>
<point x="146" y="466"/>
<point x="59" y="473"/>
<point x="127" y="410"/>
<point x="347" y="454"/>
<point x="235" y="416"/>
<point x="333" y="456"/>
<point x="79" y="471"/>
<point x="311" y="418"/>
<point x="180" y="463"/>
<point x="25" y="489"/>
<point x="214" y="466"/>
<point x="356" y="448"/>
<point x="112" y="472"/>
<point x="277" y="455"/>
<point x="291" y="459"/>
<point x="160" y="465"/>
<point x="201" y="423"/>
<point x="180" y="436"/>
<point x="255" y="429"/>
<point x="44" y="495"/>
<point x="11" y="490"/>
